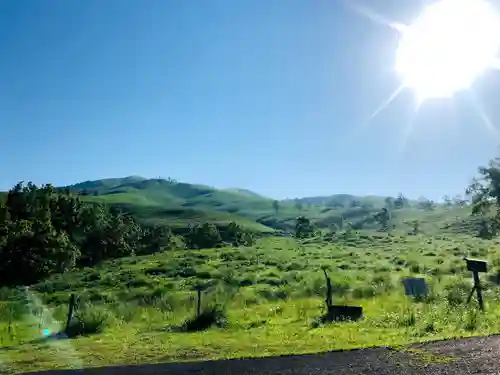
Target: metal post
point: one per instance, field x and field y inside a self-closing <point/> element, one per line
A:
<point x="71" y="309"/>
<point x="477" y="285"/>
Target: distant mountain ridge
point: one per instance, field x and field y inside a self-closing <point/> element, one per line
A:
<point x="120" y="184"/>
<point x="180" y="204"/>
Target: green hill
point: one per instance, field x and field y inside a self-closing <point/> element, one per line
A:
<point x="177" y="204"/>
<point x="180" y="204"/>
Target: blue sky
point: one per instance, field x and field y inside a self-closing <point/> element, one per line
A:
<point x="273" y="96"/>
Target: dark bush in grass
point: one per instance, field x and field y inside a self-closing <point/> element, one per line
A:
<point x="209" y="317"/>
<point x="456" y="294"/>
<point x="367" y="291"/>
<point x="89" y="320"/>
<point x="274" y="293"/>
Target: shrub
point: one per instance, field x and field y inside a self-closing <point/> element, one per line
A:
<point x="89" y="320"/>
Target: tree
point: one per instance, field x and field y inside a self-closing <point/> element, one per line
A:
<point x="236" y="235"/>
<point x="276" y="206"/>
<point x="426" y="204"/>
<point x="401" y="201"/>
<point x="303" y="227"/>
<point x="155" y="239"/>
<point x="384" y="219"/>
<point x="203" y="236"/>
<point x="485" y="194"/>
<point x="31" y="248"/>
<point x="45" y="230"/>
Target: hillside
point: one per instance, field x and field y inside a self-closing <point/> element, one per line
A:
<point x="180" y="204"/>
<point x="177" y="204"/>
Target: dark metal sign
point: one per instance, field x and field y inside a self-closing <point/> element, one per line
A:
<point x="415" y="286"/>
<point x="476" y="265"/>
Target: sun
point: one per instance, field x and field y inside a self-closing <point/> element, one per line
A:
<point x="449" y="45"/>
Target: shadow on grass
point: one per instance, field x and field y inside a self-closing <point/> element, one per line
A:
<point x="338" y="313"/>
<point x="210" y="317"/>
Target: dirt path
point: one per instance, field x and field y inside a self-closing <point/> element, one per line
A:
<point x="461" y="357"/>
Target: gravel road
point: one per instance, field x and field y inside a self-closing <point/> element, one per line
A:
<point x="460" y="357"/>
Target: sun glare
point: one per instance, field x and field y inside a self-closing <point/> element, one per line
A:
<point x="448" y="46"/>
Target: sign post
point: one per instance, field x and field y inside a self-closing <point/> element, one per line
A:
<point x="476" y="266"/>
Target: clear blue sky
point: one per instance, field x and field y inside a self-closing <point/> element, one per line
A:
<point x="266" y="95"/>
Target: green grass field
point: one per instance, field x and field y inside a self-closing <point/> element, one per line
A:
<point x="271" y="294"/>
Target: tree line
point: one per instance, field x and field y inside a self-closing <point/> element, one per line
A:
<point x="44" y="230"/>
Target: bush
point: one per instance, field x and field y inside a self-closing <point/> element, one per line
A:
<point x="456" y="294"/>
<point x="89" y="320"/>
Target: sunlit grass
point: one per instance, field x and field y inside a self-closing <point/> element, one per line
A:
<point x="272" y="295"/>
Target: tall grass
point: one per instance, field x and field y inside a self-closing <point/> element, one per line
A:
<point x="268" y="299"/>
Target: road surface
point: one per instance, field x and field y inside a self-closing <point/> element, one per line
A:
<point x="461" y="357"/>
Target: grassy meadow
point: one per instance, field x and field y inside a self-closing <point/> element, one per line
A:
<point x="266" y="300"/>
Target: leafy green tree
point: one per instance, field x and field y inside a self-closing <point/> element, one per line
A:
<point x="45" y="230"/>
<point x="426" y="204"/>
<point x="303" y="227"/>
<point x="485" y="194"/>
<point x="384" y="219"/>
<point x="401" y="201"/>
<point x="236" y="235"/>
<point x="203" y="236"/>
<point x="33" y="250"/>
<point x="276" y="206"/>
<point x="155" y="239"/>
